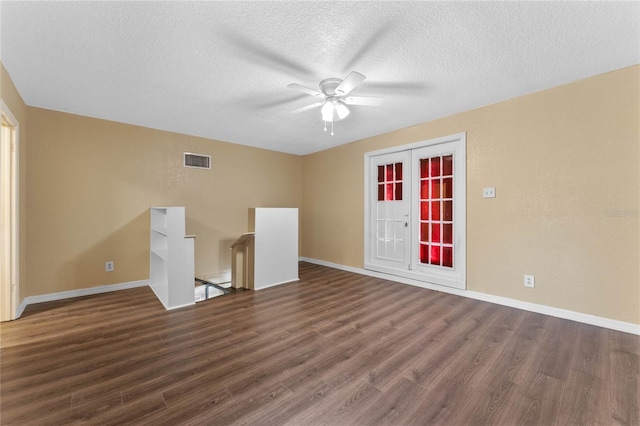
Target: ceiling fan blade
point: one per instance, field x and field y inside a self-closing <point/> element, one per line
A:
<point x="363" y="100"/>
<point x="304" y="89"/>
<point x="263" y="54"/>
<point x="308" y="107"/>
<point x="349" y="83"/>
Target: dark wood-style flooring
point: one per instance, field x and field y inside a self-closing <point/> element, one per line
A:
<point x="335" y="348"/>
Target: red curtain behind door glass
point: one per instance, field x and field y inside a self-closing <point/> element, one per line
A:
<point x="436" y="211"/>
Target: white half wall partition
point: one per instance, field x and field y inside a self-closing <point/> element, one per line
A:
<point x="276" y="246"/>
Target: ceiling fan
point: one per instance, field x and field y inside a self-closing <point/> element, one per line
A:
<point x="334" y="100"/>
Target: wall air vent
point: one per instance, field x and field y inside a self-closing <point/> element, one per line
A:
<point x="197" y="161"/>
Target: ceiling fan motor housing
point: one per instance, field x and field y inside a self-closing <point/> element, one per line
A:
<point x="328" y="86"/>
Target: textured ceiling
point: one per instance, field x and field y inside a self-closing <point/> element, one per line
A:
<point x="221" y="69"/>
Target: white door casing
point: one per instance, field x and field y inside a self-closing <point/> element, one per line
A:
<point x="432" y="212"/>
<point x="9" y="262"/>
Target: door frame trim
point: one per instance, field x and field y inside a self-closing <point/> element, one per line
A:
<point x="14" y="220"/>
<point x="458" y="282"/>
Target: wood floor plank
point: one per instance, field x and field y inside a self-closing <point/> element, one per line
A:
<point x="393" y="407"/>
<point x="465" y="319"/>
<point x="263" y="405"/>
<point x="584" y="399"/>
<point x="285" y="409"/>
<point x="558" y="345"/>
<point x="624" y="386"/>
<point x="339" y="408"/>
<point x="193" y="405"/>
<point x="386" y="371"/>
<point x="146" y="411"/>
<point x="444" y="406"/>
<point x="546" y="392"/>
<point x="335" y="348"/>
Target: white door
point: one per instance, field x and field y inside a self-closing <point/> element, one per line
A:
<point x="438" y="210"/>
<point x="415" y="224"/>
<point x="390" y="210"/>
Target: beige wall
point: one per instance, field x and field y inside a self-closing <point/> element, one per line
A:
<point x="14" y="102"/>
<point x="559" y="159"/>
<point x="91" y="183"/>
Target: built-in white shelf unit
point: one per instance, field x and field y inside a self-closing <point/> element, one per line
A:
<point x="171" y="265"/>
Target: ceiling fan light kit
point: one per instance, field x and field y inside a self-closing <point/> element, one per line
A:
<point x="334" y="110"/>
<point x="333" y="92"/>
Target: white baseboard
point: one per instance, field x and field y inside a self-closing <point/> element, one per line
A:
<point x="180" y="306"/>
<point x="275" y="284"/>
<point x="499" y="300"/>
<point x="77" y="293"/>
<point x="21" y="307"/>
<point x="172" y="307"/>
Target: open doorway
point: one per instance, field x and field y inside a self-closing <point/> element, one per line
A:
<point x="9" y="264"/>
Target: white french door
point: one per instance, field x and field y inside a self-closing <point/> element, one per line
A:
<point x="416" y="211"/>
<point x="391" y="210"/>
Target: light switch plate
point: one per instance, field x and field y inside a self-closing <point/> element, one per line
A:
<point x="489" y="192"/>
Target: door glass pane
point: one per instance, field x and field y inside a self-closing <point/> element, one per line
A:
<point x="435" y="166"/>
<point x="435" y="255"/>
<point x="399" y="231"/>
<point x="389" y="177"/>
<point x="435" y="232"/>
<point x="447" y="165"/>
<point x="424" y="189"/>
<point x="447" y="256"/>
<point x="435" y="210"/>
<point x="424" y="168"/>
<point x="447" y="210"/>
<point x="389" y="192"/>
<point x="435" y="188"/>
<point x="380" y="173"/>
<point x="398" y="171"/>
<point x="424" y="253"/>
<point x="424" y="210"/>
<point x="381" y="192"/>
<point x="447" y="188"/>
<point x="447" y="233"/>
<point x="398" y="191"/>
<point x="424" y="232"/>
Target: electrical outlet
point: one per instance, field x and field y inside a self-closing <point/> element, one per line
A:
<point x="489" y="192"/>
<point x="529" y="281"/>
<point x="108" y="266"/>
